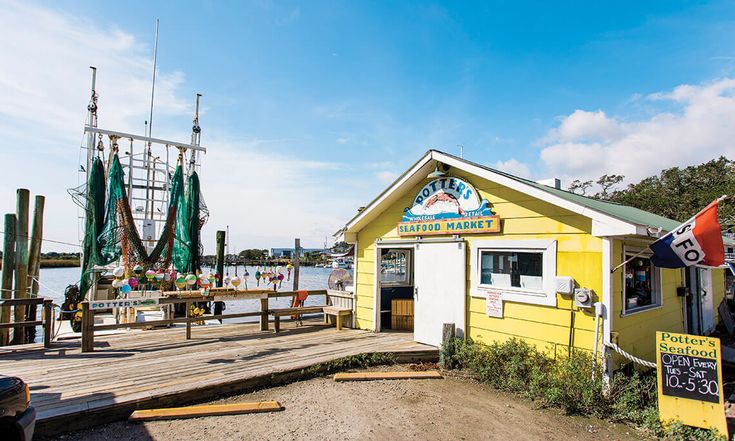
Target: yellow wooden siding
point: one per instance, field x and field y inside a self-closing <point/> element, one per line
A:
<point x="718" y="289"/>
<point x="636" y="333"/>
<point x="522" y="217"/>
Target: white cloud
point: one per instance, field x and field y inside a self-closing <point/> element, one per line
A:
<point x="386" y="176"/>
<point x="265" y="196"/>
<point x="44" y="85"/>
<point x="268" y="199"/>
<point x="693" y="125"/>
<point x="514" y="167"/>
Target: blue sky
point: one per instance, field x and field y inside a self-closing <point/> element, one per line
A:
<point x="311" y="108"/>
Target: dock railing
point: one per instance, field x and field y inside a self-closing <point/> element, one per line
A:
<point x="189" y="298"/>
<point x="47" y="318"/>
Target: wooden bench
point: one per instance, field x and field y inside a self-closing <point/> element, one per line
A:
<point x="278" y="313"/>
<point x="338" y="314"/>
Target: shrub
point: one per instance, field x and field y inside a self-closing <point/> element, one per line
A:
<point x="567" y="383"/>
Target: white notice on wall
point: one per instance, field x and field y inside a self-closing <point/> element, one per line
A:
<point x="494" y="304"/>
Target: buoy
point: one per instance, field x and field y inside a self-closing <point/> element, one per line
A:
<point x="125" y="289"/>
<point x="180" y="282"/>
<point x="133" y="282"/>
<point x="235" y="281"/>
<point x="137" y="269"/>
<point x="150" y="274"/>
<point x="118" y="272"/>
<point x="191" y="279"/>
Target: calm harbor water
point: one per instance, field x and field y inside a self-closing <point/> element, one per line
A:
<point x="55" y="280"/>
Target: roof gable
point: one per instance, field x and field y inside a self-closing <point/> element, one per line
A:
<point x="608" y="219"/>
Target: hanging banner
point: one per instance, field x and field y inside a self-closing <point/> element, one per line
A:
<point x="448" y="206"/>
<point x="690" y="380"/>
<point x="122" y="303"/>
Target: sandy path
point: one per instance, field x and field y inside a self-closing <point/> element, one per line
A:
<point x="320" y="409"/>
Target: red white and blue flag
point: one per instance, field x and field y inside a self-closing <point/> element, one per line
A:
<point x="696" y="241"/>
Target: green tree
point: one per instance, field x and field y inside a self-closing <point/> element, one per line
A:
<point x="253" y="254"/>
<point x="676" y="193"/>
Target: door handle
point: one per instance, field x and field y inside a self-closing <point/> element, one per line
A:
<point x="415" y="292"/>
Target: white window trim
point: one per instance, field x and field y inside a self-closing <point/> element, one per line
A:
<point x="624" y="312"/>
<point x="546" y="297"/>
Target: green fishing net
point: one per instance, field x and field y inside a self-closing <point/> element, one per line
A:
<point x="112" y="236"/>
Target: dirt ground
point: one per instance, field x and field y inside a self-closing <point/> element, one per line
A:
<point x="453" y="408"/>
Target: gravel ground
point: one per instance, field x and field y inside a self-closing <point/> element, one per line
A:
<point x="453" y="408"/>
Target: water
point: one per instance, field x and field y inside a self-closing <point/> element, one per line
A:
<point x="55" y="280"/>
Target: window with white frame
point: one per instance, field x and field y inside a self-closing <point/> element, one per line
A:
<point x="519" y="269"/>
<point x="641" y="283"/>
<point x="395" y="267"/>
<point x="523" y="270"/>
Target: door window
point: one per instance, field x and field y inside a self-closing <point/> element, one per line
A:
<point x="395" y="267"/>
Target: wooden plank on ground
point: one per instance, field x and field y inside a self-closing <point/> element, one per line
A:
<point x="365" y="376"/>
<point x="208" y="410"/>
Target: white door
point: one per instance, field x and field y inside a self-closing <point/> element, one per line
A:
<point x="708" y="307"/>
<point x="439" y="290"/>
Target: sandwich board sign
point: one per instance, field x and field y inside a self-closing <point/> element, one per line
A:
<point x="690" y="380"/>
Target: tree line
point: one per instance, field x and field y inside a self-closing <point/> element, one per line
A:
<point x="676" y="193"/>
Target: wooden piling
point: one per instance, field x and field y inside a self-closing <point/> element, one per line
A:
<point x="7" y="274"/>
<point x="220" y="256"/>
<point x="87" y="332"/>
<point x="296" y="263"/>
<point x="21" y="262"/>
<point x="34" y="262"/>
<point x="220" y="267"/>
<point x="188" y="323"/>
<point x="48" y="321"/>
<point x="264" y="314"/>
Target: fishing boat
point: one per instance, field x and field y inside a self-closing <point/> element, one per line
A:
<point x="140" y="215"/>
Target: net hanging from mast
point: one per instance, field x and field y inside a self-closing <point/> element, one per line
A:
<point x="111" y="234"/>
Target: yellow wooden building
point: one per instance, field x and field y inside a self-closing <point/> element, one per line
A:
<point x="501" y="256"/>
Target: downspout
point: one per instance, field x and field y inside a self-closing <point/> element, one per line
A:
<point x="607" y="309"/>
<point x="354" y="287"/>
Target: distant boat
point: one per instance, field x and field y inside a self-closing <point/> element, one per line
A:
<point x="340" y="263"/>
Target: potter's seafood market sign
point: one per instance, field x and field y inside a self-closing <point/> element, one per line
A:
<point x="448" y="206"/>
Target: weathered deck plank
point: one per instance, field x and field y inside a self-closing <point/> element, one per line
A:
<point x="143" y="369"/>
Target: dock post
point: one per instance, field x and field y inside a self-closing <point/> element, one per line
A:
<point x="264" y="314"/>
<point x="21" y="262"/>
<point x="34" y="263"/>
<point x="296" y="263"/>
<point x="188" y="323"/>
<point x="48" y="322"/>
<point x="87" y="332"/>
<point x="7" y="275"/>
<point x="220" y="264"/>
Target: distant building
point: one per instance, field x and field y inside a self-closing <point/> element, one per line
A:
<point x="288" y="253"/>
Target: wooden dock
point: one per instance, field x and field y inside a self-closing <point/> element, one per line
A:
<point x="144" y="369"/>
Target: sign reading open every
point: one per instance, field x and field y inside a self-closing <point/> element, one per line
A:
<point x="690" y="380"/>
<point x="448" y="205"/>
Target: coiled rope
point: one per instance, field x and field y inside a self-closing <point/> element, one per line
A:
<point x="630" y="357"/>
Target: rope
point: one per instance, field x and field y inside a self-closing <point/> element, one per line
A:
<point x="45" y="240"/>
<point x="630" y="357"/>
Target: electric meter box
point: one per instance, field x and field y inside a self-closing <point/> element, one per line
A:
<point x="564" y="285"/>
<point x="583" y="298"/>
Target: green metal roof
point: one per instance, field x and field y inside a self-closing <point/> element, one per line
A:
<point x="623" y="212"/>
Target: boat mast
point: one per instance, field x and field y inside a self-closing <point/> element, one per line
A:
<point x="92" y="121"/>
<point x="149" y="193"/>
